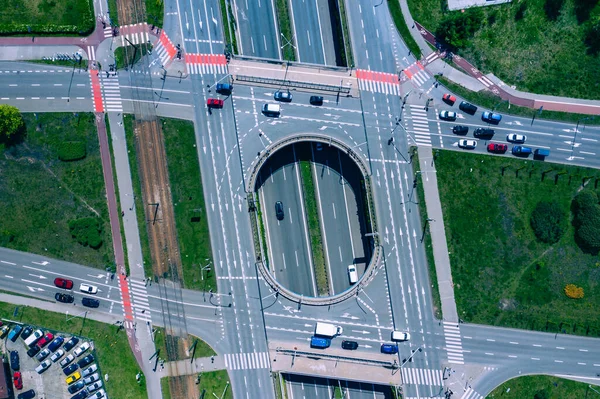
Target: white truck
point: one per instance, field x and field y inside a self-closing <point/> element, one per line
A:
<point x="327" y="330"/>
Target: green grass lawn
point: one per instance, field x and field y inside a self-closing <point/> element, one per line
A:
<point x="126" y="56"/>
<point x="502" y="274"/>
<point x="46" y="17"/>
<point x="188" y="202"/>
<point x="202" y="348"/>
<point x="40" y="194"/>
<point x="155" y="11"/>
<point x="121" y="368"/>
<point x="556" y="388"/>
<point x="520" y="45"/>
<point x="285" y="27"/>
<point x="216" y="382"/>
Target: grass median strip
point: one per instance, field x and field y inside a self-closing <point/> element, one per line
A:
<point x="348" y="57"/>
<point x="314" y="228"/>
<point x="285" y="27"/>
<point x="228" y="17"/>
<point x="403" y="30"/>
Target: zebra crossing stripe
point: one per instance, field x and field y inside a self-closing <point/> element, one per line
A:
<point x="471" y="394"/>
<point x="453" y="343"/>
<point x="246" y="361"/>
<point x="419" y="376"/>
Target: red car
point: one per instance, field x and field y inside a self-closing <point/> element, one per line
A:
<point x="214" y="103"/>
<point x="45" y="340"/>
<point x="497" y="148"/>
<point x="449" y="99"/>
<point x="63" y="283"/>
<point x="17" y="380"/>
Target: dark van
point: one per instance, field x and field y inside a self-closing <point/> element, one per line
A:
<point x="482" y="132"/>
<point x="467" y="107"/>
<point x="224" y="88"/>
<point x="521" y="151"/>
<point x="541" y="153"/>
<point x="320" y="343"/>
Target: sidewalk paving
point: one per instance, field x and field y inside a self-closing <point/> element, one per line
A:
<point x="187" y="367"/>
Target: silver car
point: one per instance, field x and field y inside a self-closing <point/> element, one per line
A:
<point x="92" y="378"/>
<point x="90" y="370"/>
<point x="43" y="354"/>
<point x="57" y="355"/>
<point x="95" y="386"/>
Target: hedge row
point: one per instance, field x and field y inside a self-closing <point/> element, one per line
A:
<point x="87" y="231"/>
<point x="86" y="28"/>
<point x="72" y="151"/>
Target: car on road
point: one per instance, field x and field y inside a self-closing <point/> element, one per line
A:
<point x="449" y="99"/>
<point x="350" y="345"/>
<point x="56" y="343"/>
<point x="14" y="333"/>
<point x="316" y="100"/>
<point x="319" y="146"/>
<point x="73" y="378"/>
<point x="516" y="138"/>
<point x="521" y="151"/>
<point x="82" y="348"/>
<point x="3" y="331"/>
<point x="15" y="364"/>
<point x="88" y="288"/>
<point x="95" y="386"/>
<point x="43" y="366"/>
<point x="91" y="379"/>
<point x="460" y="130"/>
<point x="400" y="336"/>
<point x="448" y="115"/>
<point x="389" y="348"/>
<point x="45" y="340"/>
<point x="352" y="274"/>
<point x="224" y="88"/>
<point x="71" y="344"/>
<point x="491" y="117"/>
<point x="279" y="210"/>
<point x="43" y="354"/>
<point x="26" y="332"/>
<point x="18" y="380"/>
<point x="70" y="369"/>
<point x="85" y="361"/>
<point x="76" y="386"/>
<point x="27" y="394"/>
<point x="272" y="110"/>
<point x="467" y="144"/>
<point x="467" y="107"/>
<point x="33" y="351"/>
<point x="64" y="298"/>
<point x="283" y="96"/>
<point x="57" y="355"/>
<point x="90" y="370"/>
<point x="63" y="283"/>
<point x="214" y="103"/>
<point x="100" y="394"/>
<point x="67" y="360"/>
<point x="483" y="132"/>
<point x="497" y="148"/>
<point x="90" y="302"/>
<point x="80" y="395"/>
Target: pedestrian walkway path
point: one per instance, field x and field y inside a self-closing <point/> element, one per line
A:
<point x="417" y="376"/>
<point x="133" y="34"/>
<point x="187" y="367"/>
<point x="139" y="294"/>
<point x="247" y="361"/>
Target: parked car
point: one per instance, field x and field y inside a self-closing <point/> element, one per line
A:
<point x="389" y="348"/>
<point x="73" y="378"/>
<point x="70" y="369"/>
<point x="483" y="132"/>
<point x="350" y="345"/>
<point x="45" y="340"/>
<point x="467" y="107"/>
<point x="67" y="360"/>
<point x="95" y="386"/>
<point x="14" y="333"/>
<point x="56" y="343"/>
<point x="224" y="88"/>
<point x="71" y="344"/>
<point x="491" y="117"/>
<point x="33" y="351"/>
<point x="43" y="366"/>
<point x="497" y="148"/>
<point x="85" y="361"/>
<point x="80" y="395"/>
<point x="284" y="96"/>
<point x="89" y="371"/>
<point x="76" y="386"/>
<point x="63" y="283"/>
<point x="279" y="210"/>
<point x="316" y="100"/>
<point x="448" y="115"/>
<point x="14" y="360"/>
<point x="17" y="380"/>
<point x="214" y="103"/>
<point x="88" y="288"/>
<point x="91" y="379"/>
<point x="467" y="144"/>
<point x="3" y="331"/>
<point x="57" y="355"/>
<point x="82" y="348"/>
<point x="449" y="99"/>
<point x="516" y="138"/>
<point x="90" y="302"/>
<point x="42" y="355"/>
<point x="64" y="298"/>
<point x="100" y="394"/>
<point x="27" y="394"/>
<point x="461" y="130"/>
<point x="33" y="338"/>
<point x="26" y="332"/>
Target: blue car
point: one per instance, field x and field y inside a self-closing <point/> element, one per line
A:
<point x="56" y="343"/>
<point x="320" y="343"/>
<point x="14" y="334"/>
<point x="389" y="348"/>
<point x="491" y="117"/>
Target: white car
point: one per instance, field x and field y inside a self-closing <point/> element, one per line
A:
<point x="92" y="378"/>
<point x="57" y="355"/>
<point x="43" y="366"/>
<point x="100" y="394"/>
<point x="67" y="360"/>
<point x="400" y="336"/>
<point x="82" y="348"/>
<point x="89" y="370"/>
<point x="516" y="138"/>
<point x="96" y="385"/>
<point x="88" y="289"/>
<point x="448" y="115"/>
<point x="467" y="144"/>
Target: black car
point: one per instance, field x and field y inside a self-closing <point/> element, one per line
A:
<point x="90" y="302"/>
<point x="80" y="395"/>
<point x="76" y="387"/>
<point x="279" y="210"/>
<point x="71" y="344"/>
<point x="65" y="298"/>
<point x="14" y="360"/>
<point x="27" y="394"/>
<point x="462" y="130"/>
<point x="483" y="132"/>
<point x="85" y="361"/>
<point x="283" y="96"/>
<point x="316" y="100"/>
<point x="467" y="107"/>
<point x="26" y="332"/>
<point x="33" y="351"/>
<point x="351" y="345"/>
<point x="70" y="369"/>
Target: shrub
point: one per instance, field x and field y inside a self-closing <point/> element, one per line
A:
<point x="548" y="221"/>
<point x="71" y="151"/>
<point x="592" y="37"/>
<point x="552" y="8"/>
<point x="87" y="231"/>
<point x="584" y="200"/>
<point x="587" y="221"/>
<point x="573" y="291"/>
<point x="457" y="27"/>
<point x="541" y="394"/>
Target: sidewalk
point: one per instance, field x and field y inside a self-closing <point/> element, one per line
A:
<point x="187" y="367"/>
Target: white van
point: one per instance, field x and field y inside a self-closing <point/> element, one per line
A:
<point x="399" y="336"/>
<point x="33" y="338"/>
<point x="271" y="109"/>
<point x="352" y="274"/>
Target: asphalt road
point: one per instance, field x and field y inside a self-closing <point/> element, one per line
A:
<point x="314" y="387"/>
<point x="258" y="33"/>
<point x="310" y="37"/>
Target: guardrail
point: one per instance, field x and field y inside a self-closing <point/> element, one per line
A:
<point x="322" y="355"/>
<point x="293" y="83"/>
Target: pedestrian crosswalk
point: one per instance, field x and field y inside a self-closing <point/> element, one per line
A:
<point x="133" y="34"/>
<point x="139" y="296"/>
<point x="416" y="72"/>
<point x="164" y="48"/>
<point x="96" y="91"/>
<point x="111" y="93"/>
<point x="471" y="394"/>
<point x="200" y="64"/>
<point x="91" y="53"/>
<point x="108" y="32"/>
<point x="378" y="82"/>
<point x="246" y="361"/>
<point x="420" y="125"/>
<point x="416" y="376"/>
<point x="453" y="343"/>
<point x="430" y="58"/>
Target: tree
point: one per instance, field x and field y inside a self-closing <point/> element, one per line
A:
<point x="587" y="221"/>
<point x="457" y="28"/>
<point x="592" y="37"/>
<point x="552" y="8"/>
<point x="12" y="125"/>
<point x="548" y="221"/>
<point x="583" y="9"/>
